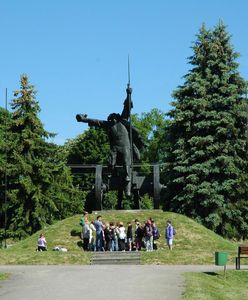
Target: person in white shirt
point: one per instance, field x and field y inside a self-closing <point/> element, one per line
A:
<point x="122" y="236"/>
<point x="92" y="244"/>
<point x="41" y="243"/>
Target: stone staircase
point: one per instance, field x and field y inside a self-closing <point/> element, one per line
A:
<point x="116" y="258"/>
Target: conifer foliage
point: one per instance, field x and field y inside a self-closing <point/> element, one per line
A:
<point x="4" y="121"/>
<point x="39" y="185"/>
<point x="208" y="138"/>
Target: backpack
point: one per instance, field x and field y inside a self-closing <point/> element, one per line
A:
<point x="139" y="232"/>
<point x="174" y="231"/>
<point x="82" y="221"/>
<point x="155" y="233"/>
<point x="112" y="234"/>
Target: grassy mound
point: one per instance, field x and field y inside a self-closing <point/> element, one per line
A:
<point x="216" y="286"/>
<point x="4" y="276"/>
<point x="193" y="243"/>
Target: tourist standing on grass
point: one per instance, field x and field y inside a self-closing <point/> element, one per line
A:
<point x="99" y="233"/>
<point x="114" y="237"/>
<point x="139" y="234"/>
<point x="156" y="234"/>
<point x="92" y="245"/>
<point x="136" y="223"/>
<point x="129" y="236"/>
<point x="148" y="236"/>
<point x="107" y="235"/>
<point x="84" y="218"/>
<point x="122" y="236"/>
<point x="42" y="243"/>
<point x="86" y="235"/>
<point x="169" y="234"/>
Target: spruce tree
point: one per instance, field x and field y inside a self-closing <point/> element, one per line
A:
<point x="4" y="122"/>
<point x="35" y="198"/>
<point x="207" y="161"/>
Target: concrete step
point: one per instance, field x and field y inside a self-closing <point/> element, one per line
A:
<point x="116" y="258"/>
<point x="116" y="253"/>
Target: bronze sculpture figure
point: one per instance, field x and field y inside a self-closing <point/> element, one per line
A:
<point x="125" y="141"/>
<point x="125" y="146"/>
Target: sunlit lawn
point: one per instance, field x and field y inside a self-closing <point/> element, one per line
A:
<point x="193" y="243"/>
<point x="216" y="286"/>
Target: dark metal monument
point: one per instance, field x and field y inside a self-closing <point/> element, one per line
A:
<point x="125" y="146"/>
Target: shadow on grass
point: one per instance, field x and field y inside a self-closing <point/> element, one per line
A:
<point x="75" y="232"/>
<point x="80" y="244"/>
<point x="211" y="273"/>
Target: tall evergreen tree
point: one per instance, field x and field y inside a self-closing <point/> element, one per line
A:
<point x="208" y="138"/>
<point x="4" y="122"/>
<point x="34" y="167"/>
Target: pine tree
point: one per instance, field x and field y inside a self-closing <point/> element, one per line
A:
<point x="35" y="171"/>
<point x="4" y="121"/>
<point x="208" y="138"/>
<point x="68" y="198"/>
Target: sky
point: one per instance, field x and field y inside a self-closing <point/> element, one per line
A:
<point x="75" y="53"/>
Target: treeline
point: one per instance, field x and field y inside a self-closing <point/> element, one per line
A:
<point x="39" y="183"/>
<point x="207" y="153"/>
<point x="202" y="144"/>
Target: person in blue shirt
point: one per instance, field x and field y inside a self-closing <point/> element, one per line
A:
<point x="169" y="234"/>
<point x="99" y="233"/>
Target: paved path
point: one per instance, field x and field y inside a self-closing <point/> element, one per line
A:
<point x="96" y="282"/>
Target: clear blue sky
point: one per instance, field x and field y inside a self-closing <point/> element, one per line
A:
<point x="75" y="52"/>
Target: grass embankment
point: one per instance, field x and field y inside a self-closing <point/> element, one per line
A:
<point x="3" y="276"/>
<point x="214" y="286"/>
<point x="193" y="244"/>
<point x="64" y="233"/>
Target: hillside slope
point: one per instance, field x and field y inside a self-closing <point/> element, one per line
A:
<point x="193" y="244"/>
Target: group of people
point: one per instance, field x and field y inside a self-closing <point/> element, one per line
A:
<point x="107" y="236"/>
<point x="103" y="236"/>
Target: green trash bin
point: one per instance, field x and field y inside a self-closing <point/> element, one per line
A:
<point x="221" y="258"/>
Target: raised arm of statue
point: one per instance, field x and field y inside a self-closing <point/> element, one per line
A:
<point x="128" y="105"/>
<point x="92" y="122"/>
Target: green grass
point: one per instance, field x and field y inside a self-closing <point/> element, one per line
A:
<point x="4" y="276"/>
<point x="215" y="286"/>
<point x="64" y="233"/>
<point x="193" y="244"/>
